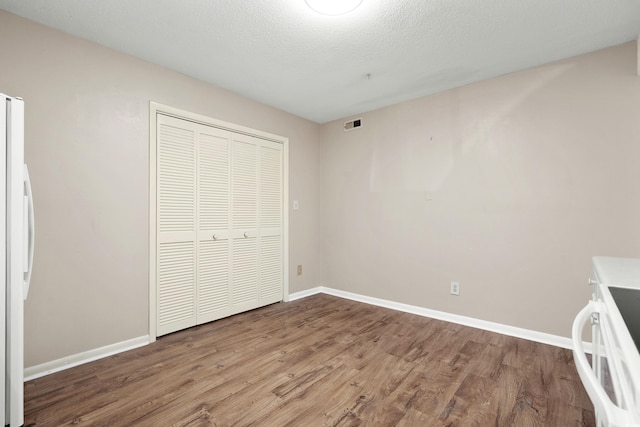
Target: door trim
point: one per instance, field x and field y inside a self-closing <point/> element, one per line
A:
<point x="155" y="109"/>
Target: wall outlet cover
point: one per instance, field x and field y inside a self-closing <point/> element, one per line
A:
<point x="455" y="288"/>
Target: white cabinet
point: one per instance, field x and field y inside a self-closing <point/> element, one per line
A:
<point x="219" y="232"/>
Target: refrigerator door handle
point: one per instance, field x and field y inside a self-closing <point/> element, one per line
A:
<point x="30" y="232"/>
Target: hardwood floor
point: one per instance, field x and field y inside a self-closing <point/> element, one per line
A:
<point x="319" y="361"/>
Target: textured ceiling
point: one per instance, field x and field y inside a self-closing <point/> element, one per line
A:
<point x="285" y="55"/>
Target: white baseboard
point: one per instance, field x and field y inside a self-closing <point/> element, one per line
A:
<point x="307" y="293"/>
<point x="67" y="362"/>
<point x="500" y="328"/>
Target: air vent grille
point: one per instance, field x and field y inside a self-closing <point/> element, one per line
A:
<point x="352" y="124"/>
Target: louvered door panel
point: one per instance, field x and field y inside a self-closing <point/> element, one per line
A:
<point x="245" y="185"/>
<point x="270" y="265"/>
<point x="244" y="286"/>
<point x="270" y="223"/>
<point x="214" y="299"/>
<point x="214" y="182"/>
<point x="176" y="178"/>
<point x="270" y="186"/>
<point x="176" y="221"/>
<point x="176" y="286"/>
<point x="244" y="271"/>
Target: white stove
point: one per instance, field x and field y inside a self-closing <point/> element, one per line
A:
<point x="612" y="380"/>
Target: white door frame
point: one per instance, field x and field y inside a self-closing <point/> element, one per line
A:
<point x="155" y="109"/>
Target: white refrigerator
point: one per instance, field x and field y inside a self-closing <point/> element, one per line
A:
<point x="16" y="257"/>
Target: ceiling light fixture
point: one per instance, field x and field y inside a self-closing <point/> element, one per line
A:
<point x="333" y="7"/>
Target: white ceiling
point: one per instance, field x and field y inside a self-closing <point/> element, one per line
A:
<point x="285" y="55"/>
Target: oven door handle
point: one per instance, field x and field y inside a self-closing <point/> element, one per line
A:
<point x="613" y="414"/>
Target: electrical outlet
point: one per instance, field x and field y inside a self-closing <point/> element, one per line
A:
<point x="299" y="269"/>
<point x="455" y="288"/>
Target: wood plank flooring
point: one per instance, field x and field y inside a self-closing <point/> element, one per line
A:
<point x="319" y="361"/>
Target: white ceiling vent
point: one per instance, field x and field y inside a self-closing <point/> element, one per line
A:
<point x="352" y="124"/>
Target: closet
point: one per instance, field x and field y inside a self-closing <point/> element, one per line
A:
<point x="219" y="235"/>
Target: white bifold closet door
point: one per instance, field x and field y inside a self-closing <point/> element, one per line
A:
<point x="219" y="223"/>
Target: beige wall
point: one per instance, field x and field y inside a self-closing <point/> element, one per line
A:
<point x="531" y="175"/>
<point x="87" y="146"/>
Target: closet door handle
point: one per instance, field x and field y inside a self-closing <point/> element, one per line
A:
<point x="214" y="237"/>
<point x="245" y="235"/>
